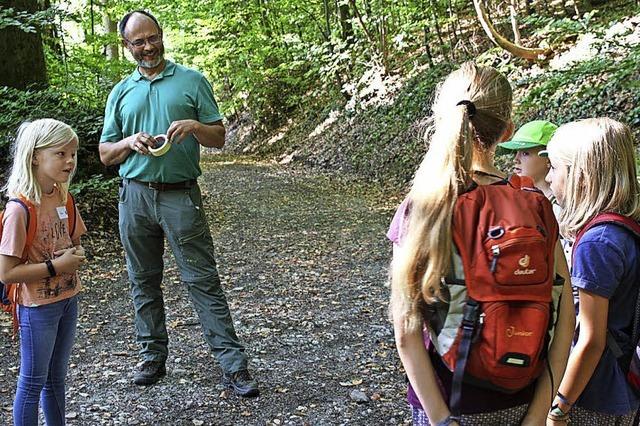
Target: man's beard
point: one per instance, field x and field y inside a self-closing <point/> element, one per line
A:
<point x="151" y="64"/>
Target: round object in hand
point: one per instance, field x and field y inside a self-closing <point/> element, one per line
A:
<point x="161" y="146"/>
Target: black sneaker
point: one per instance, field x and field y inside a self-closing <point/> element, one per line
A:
<point x="149" y="372"/>
<point x="241" y="383"/>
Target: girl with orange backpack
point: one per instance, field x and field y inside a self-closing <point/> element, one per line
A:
<point x="593" y="176"/>
<point x="472" y="276"/>
<point x="41" y="253"/>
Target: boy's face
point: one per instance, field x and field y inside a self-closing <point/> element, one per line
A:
<point x="557" y="179"/>
<point x="528" y="163"/>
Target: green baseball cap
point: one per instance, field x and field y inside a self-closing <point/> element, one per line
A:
<point x="531" y="135"/>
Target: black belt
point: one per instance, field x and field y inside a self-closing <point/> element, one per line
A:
<point x="162" y="186"/>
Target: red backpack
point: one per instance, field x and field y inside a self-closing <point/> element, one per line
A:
<point x="9" y="291"/>
<point x="631" y="366"/>
<point x="495" y="327"/>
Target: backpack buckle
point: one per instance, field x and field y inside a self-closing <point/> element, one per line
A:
<point x="470" y="314"/>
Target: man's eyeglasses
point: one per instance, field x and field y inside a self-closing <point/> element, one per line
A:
<point x="154" y="39"/>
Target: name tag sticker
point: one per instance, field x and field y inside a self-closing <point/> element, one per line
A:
<point x="62" y="212"/>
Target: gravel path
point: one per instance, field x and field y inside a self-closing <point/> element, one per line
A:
<point x="303" y="260"/>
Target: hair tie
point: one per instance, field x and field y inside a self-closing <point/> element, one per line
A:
<point x="471" y="107"/>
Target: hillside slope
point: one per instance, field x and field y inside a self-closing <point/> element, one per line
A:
<point x="377" y="135"/>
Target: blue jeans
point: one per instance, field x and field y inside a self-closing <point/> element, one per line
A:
<point x="47" y="333"/>
<point x="148" y="216"/>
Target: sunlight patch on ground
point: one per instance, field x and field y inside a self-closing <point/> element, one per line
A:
<point x="374" y="88"/>
<point x="278" y="136"/>
<point x="320" y="128"/>
<point x="616" y="40"/>
<point x="287" y="158"/>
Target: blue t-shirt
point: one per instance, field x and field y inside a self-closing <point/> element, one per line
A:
<point x="606" y="262"/>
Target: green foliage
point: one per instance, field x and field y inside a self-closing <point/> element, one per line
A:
<point x="554" y="30"/>
<point x="97" y="199"/>
<point x="95" y="184"/>
<point x="603" y="86"/>
<point x="27" y="22"/>
<point x="85" y="77"/>
<point x="19" y="106"/>
<point x="383" y="143"/>
<point x="291" y="64"/>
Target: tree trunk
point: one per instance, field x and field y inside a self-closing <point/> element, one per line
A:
<point x="427" y="49"/>
<point x="384" y="47"/>
<point x="452" y="26"/>
<point x="110" y="27"/>
<point x="327" y="11"/>
<point x="500" y="41"/>
<point x="356" y="12"/>
<point x="23" y="63"/>
<point x="434" y="11"/>
<point x="514" y="22"/>
<point x="345" y="22"/>
<point x="50" y="32"/>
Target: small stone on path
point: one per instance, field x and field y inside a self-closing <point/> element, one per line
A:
<point x="359" y="397"/>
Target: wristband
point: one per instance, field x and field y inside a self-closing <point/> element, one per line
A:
<point x="564" y="399"/>
<point x="50" y="268"/>
<point x="446" y="421"/>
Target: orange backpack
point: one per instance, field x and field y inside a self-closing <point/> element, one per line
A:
<point x="495" y="329"/>
<point x="9" y="291"/>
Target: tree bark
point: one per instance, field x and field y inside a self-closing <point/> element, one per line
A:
<point x="345" y="22"/>
<point x="23" y="63"/>
<point x="110" y="27"/>
<point x="427" y="49"/>
<point x="327" y="31"/>
<point x="51" y="39"/>
<point x="500" y="41"/>
<point x="434" y="12"/>
<point x="452" y="25"/>
<point x="514" y="22"/>
<point x="361" y="21"/>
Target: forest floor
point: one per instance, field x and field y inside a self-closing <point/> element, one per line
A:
<point x="303" y="260"/>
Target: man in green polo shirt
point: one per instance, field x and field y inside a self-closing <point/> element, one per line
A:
<point x="160" y="197"/>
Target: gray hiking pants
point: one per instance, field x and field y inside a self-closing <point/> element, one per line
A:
<point x="147" y="216"/>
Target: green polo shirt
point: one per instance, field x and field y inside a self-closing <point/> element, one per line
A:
<point x="139" y="105"/>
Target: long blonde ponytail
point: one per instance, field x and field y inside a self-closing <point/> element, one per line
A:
<point x="471" y="111"/>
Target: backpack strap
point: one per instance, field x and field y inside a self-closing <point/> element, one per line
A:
<point x="471" y="316"/>
<point x="72" y="214"/>
<point x="32" y="222"/>
<point x="634" y="227"/>
<point x="10" y="296"/>
<point x="610" y="217"/>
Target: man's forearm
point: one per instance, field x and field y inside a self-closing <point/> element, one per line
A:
<point x="210" y="135"/>
<point x="112" y="153"/>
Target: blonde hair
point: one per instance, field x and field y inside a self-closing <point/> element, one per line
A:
<point x="457" y="133"/>
<point x="601" y="174"/>
<point x="38" y="134"/>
